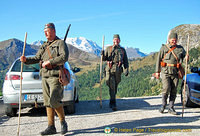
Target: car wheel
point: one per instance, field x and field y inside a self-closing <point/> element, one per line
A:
<point x="70" y="109"/>
<point x="187" y="101"/>
<point x="9" y="111"/>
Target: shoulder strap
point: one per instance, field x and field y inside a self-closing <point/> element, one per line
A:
<point x="48" y="49"/>
<point x="170" y="50"/>
<point x="173" y="52"/>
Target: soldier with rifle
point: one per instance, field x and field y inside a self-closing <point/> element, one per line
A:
<point x="52" y="88"/>
<point x="115" y="56"/>
<point x="168" y="63"/>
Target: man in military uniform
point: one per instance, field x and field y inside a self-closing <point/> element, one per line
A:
<point x="115" y="56"/>
<point x="51" y="54"/>
<point x="168" y="62"/>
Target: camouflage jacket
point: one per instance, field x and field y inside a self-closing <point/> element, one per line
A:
<point x="59" y="53"/>
<point x="170" y="59"/>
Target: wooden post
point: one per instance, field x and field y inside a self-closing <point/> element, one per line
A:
<point x="101" y="74"/>
<point x="186" y="63"/>
<point x="20" y="93"/>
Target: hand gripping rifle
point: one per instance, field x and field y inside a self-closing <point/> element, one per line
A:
<point x="186" y="63"/>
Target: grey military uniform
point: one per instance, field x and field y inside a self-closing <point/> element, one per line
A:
<point x="52" y="89"/>
<point x="114" y="55"/>
<point x="169" y="73"/>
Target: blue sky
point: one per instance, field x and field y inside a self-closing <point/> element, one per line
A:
<point x="142" y="24"/>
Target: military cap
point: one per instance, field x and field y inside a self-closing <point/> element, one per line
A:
<point x="173" y="35"/>
<point x="116" y="36"/>
<point x="49" y="25"/>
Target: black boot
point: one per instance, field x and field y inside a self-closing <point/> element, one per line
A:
<point x="114" y="107"/>
<point x="111" y="103"/>
<point x="64" y="128"/>
<point x="50" y="130"/>
<point x="162" y="108"/>
<point x="172" y="111"/>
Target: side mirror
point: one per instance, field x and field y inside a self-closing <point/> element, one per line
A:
<point x="195" y="70"/>
<point x="75" y="69"/>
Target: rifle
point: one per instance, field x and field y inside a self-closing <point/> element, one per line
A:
<point x="100" y="74"/>
<point x="67" y="32"/>
<point x="20" y="95"/>
<point x="186" y="63"/>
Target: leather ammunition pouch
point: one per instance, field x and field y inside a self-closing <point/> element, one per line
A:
<point x="163" y="64"/>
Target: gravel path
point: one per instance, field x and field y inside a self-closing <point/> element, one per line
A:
<point x="135" y="116"/>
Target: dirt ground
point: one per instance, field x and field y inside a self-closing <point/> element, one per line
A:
<point x="135" y="116"/>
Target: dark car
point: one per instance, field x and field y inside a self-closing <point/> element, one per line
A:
<point x="192" y="88"/>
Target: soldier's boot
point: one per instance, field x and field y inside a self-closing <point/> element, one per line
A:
<point x="171" y="108"/>
<point x="64" y="127"/>
<point x="61" y="114"/>
<point x="164" y="103"/>
<point x="50" y="130"/>
<point x="114" y="107"/>
<point x="162" y="108"/>
<point x="111" y="104"/>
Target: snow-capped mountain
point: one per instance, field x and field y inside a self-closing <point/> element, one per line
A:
<point x="38" y="43"/>
<point x="91" y="47"/>
<point x="85" y="45"/>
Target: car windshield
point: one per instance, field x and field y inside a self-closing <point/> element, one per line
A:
<point x="26" y="68"/>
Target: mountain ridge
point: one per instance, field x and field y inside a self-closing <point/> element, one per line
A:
<point x="92" y="47"/>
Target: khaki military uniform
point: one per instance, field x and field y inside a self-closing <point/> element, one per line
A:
<point x="169" y="74"/>
<point x="52" y="89"/>
<point x="114" y="55"/>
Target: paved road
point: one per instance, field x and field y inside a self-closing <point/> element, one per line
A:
<point x="136" y="116"/>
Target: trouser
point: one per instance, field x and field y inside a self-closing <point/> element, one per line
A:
<point x="52" y="92"/>
<point x="112" y="81"/>
<point x="170" y="83"/>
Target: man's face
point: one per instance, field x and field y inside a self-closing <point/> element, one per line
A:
<point x="116" y="41"/>
<point x="50" y="34"/>
<point x="172" y="41"/>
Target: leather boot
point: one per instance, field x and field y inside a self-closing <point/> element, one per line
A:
<point x="110" y="104"/>
<point x="64" y="127"/>
<point x="114" y="107"/>
<point x="50" y="130"/>
<point x="61" y="114"/>
<point x="51" y="127"/>
<point x="172" y="111"/>
<point x="162" y="108"/>
<point x="171" y="108"/>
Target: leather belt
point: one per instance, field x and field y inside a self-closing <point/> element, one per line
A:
<point x="172" y="65"/>
<point x="53" y="67"/>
